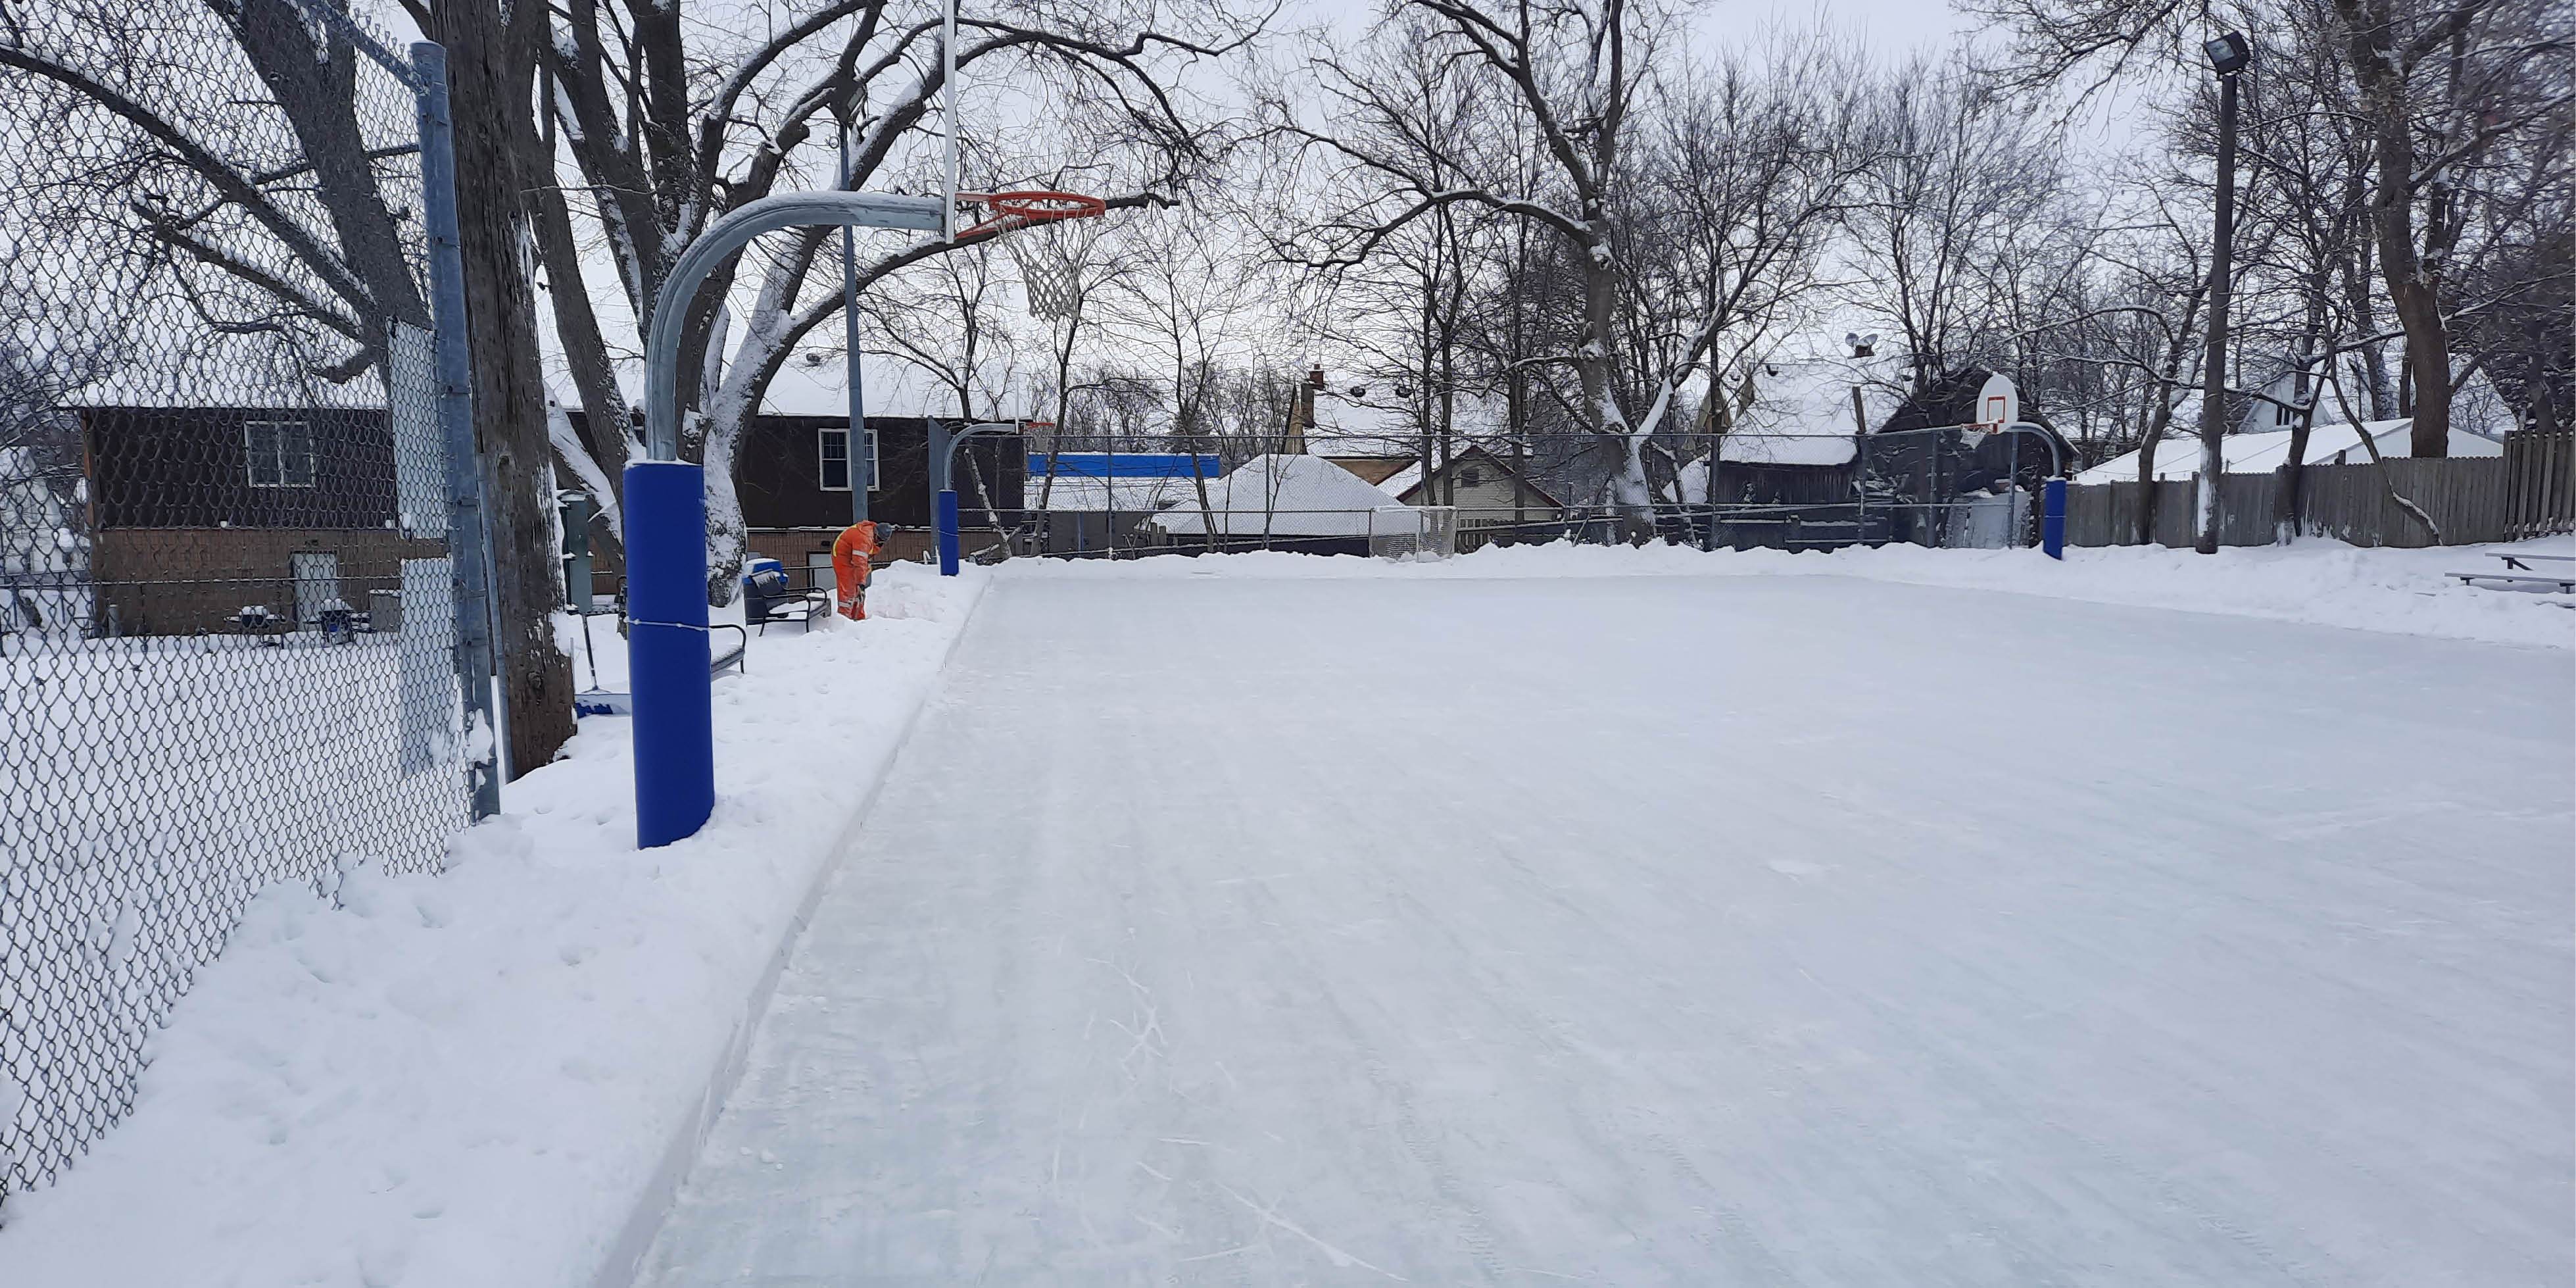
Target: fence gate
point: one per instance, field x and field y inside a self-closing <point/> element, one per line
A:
<point x="234" y="647"/>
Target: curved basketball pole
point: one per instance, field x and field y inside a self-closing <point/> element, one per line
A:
<point x="943" y="484"/>
<point x="666" y="508"/>
<point x="2052" y="513"/>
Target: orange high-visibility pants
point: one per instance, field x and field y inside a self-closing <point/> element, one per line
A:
<point x="853" y="561"/>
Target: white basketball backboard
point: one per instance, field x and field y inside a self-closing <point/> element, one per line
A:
<point x="1998" y="403"/>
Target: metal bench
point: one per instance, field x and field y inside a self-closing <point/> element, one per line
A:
<point x="2519" y="572"/>
<point x="768" y="598"/>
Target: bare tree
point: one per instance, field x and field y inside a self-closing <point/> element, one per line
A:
<point x="668" y="126"/>
<point x="1953" y="165"/>
<point x="1751" y="169"/>
<point x="1180" y="304"/>
<point x="1565" y="82"/>
<point x="2436" y="93"/>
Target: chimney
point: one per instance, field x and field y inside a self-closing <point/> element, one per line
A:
<point x="1301" y="413"/>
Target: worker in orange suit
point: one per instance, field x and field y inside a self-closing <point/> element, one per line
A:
<point x="854" y="555"/>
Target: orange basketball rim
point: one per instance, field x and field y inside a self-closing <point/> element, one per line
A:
<point x="1004" y="211"/>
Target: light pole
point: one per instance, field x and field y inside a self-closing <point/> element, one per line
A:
<point x="2228" y="56"/>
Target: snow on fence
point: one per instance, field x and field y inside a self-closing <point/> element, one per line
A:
<point x="231" y="634"/>
<point x="2470" y="499"/>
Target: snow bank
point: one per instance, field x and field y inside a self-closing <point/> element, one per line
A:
<point x="2321" y="582"/>
<point x="490" y="1076"/>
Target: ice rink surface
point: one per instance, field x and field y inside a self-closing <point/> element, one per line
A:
<point x="1676" y="931"/>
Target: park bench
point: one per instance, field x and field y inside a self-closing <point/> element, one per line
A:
<point x="2518" y="571"/>
<point x="768" y="598"/>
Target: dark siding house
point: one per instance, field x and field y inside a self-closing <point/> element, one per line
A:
<point x="197" y="512"/>
<point x="792" y="475"/>
<point x="1913" y="473"/>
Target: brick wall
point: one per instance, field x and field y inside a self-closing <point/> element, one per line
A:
<point x="177" y="581"/>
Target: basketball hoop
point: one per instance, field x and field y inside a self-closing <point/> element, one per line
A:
<point x="1053" y="253"/>
<point x="1004" y="211"/>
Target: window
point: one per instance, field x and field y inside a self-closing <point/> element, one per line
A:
<point x="280" y="451"/>
<point x="835" y="447"/>
<point x="832" y="449"/>
<point x="1471" y="477"/>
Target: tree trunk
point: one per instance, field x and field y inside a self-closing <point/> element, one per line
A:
<point x="2414" y="291"/>
<point x="2162" y="417"/>
<point x="1597" y="372"/>
<point x="490" y="59"/>
<point x="2288" y="495"/>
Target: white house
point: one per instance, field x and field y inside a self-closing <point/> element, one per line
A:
<point x="1485" y="486"/>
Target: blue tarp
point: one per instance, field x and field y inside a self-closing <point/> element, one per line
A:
<point x="1123" y="465"/>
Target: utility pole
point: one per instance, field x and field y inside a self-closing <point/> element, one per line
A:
<point x="861" y="468"/>
<point x="2228" y="55"/>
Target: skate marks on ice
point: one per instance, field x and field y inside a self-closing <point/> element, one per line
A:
<point x="1744" y="930"/>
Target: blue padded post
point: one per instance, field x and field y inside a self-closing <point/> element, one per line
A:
<point x="666" y="650"/>
<point x="2052" y="518"/>
<point x="948" y="533"/>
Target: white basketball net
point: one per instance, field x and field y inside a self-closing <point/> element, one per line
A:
<point x="1052" y="257"/>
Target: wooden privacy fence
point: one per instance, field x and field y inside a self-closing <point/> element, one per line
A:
<point x="2540" y="483"/>
<point x="2526" y="492"/>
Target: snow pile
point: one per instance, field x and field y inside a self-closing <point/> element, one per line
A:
<point x="2322" y="582"/>
<point x="484" y="1077"/>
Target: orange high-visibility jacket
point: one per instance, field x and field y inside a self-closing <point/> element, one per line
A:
<point x="853" y="561"/>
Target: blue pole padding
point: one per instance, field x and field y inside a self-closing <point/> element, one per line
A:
<point x="948" y="533"/>
<point x="2052" y="518"/>
<point x="666" y="650"/>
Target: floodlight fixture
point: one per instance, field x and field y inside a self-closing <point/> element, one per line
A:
<point x="2229" y="53"/>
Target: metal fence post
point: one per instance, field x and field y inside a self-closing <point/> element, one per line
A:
<point x="466" y="547"/>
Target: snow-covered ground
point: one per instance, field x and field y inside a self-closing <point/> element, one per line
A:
<point x="478" y="1078"/>
<point x="1247" y="921"/>
<point x="1632" y="915"/>
<point x="2326" y="583"/>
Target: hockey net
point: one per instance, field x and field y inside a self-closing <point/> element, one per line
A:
<point x="1413" y="531"/>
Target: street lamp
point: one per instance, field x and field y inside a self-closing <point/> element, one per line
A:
<point x="2228" y="55"/>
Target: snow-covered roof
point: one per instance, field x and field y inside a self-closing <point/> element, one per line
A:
<point x="1749" y="447"/>
<point x="1073" y="494"/>
<point x="1282" y="495"/>
<point x="1801" y="413"/>
<point x="2178" y="457"/>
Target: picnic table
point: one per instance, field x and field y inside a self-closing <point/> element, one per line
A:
<point x="2518" y="571"/>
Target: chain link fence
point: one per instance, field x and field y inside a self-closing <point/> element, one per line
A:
<point x="234" y="648"/>
<point x="1953" y="487"/>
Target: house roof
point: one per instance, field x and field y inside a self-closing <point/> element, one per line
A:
<point x="1375" y="469"/>
<point x="1403" y="483"/>
<point x="1076" y="495"/>
<point x="2261" y="453"/>
<point x="1281" y="495"/>
<point x="1801" y="413"/>
<point x="1750" y="447"/>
